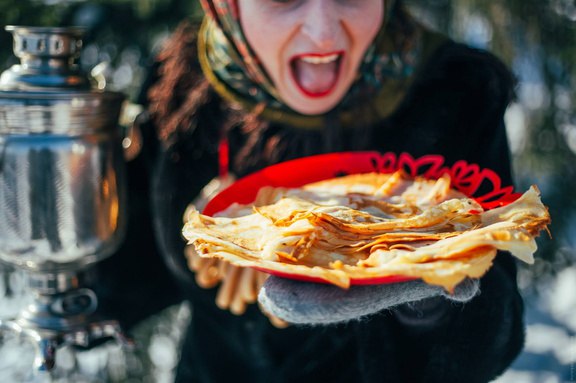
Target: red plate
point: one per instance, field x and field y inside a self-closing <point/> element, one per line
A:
<point x="467" y="178"/>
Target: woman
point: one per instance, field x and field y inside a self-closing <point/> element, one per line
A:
<point x="271" y="80"/>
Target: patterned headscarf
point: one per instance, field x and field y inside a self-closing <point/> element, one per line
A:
<point x="233" y="68"/>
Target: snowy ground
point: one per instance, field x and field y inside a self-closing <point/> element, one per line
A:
<point x="550" y="352"/>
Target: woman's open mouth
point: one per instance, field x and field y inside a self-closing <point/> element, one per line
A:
<point x="316" y="74"/>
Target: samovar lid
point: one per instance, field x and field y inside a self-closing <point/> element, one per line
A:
<point x="47" y="92"/>
<point x="48" y="60"/>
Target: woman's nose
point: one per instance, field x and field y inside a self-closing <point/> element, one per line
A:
<point x="322" y="24"/>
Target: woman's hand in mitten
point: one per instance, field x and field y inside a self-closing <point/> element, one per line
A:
<point x="312" y="303"/>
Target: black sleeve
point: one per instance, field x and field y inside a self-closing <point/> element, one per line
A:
<point x="486" y="334"/>
<point x="180" y="173"/>
<point x="456" y="108"/>
<point x="481" y="338"/>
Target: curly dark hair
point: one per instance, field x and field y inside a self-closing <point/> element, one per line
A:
<point x="182" y="102"/>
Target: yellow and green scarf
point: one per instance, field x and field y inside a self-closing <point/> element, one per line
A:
<point x="234" y="70"/>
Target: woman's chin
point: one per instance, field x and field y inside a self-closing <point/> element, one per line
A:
<point x="312" y="111"/>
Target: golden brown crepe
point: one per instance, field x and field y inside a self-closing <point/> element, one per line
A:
<point x="370" y="226"/>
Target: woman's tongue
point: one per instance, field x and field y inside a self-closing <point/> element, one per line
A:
<point x="315" y="78"/>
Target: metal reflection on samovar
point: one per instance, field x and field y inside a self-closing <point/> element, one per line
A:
<point x="62" y="187"/>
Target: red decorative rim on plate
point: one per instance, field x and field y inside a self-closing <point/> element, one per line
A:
<point x="484" y="185"/>
<point x="467" y="178"/>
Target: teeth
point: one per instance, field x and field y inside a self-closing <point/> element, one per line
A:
<point x="320" y="59"/>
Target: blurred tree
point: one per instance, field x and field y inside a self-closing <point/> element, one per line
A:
<point x="540" y="37"/>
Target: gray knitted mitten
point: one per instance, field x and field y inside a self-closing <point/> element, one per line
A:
<point x="313" y="303"/>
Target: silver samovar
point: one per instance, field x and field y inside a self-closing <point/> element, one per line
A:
<point x="62" y="188"/>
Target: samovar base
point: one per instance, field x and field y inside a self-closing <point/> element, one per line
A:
<point x="56" y="318"/>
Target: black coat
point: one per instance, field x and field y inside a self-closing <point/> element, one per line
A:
<point x="455" y="107"/>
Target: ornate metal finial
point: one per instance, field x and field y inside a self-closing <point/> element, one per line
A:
<point x="48" y="59"/>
